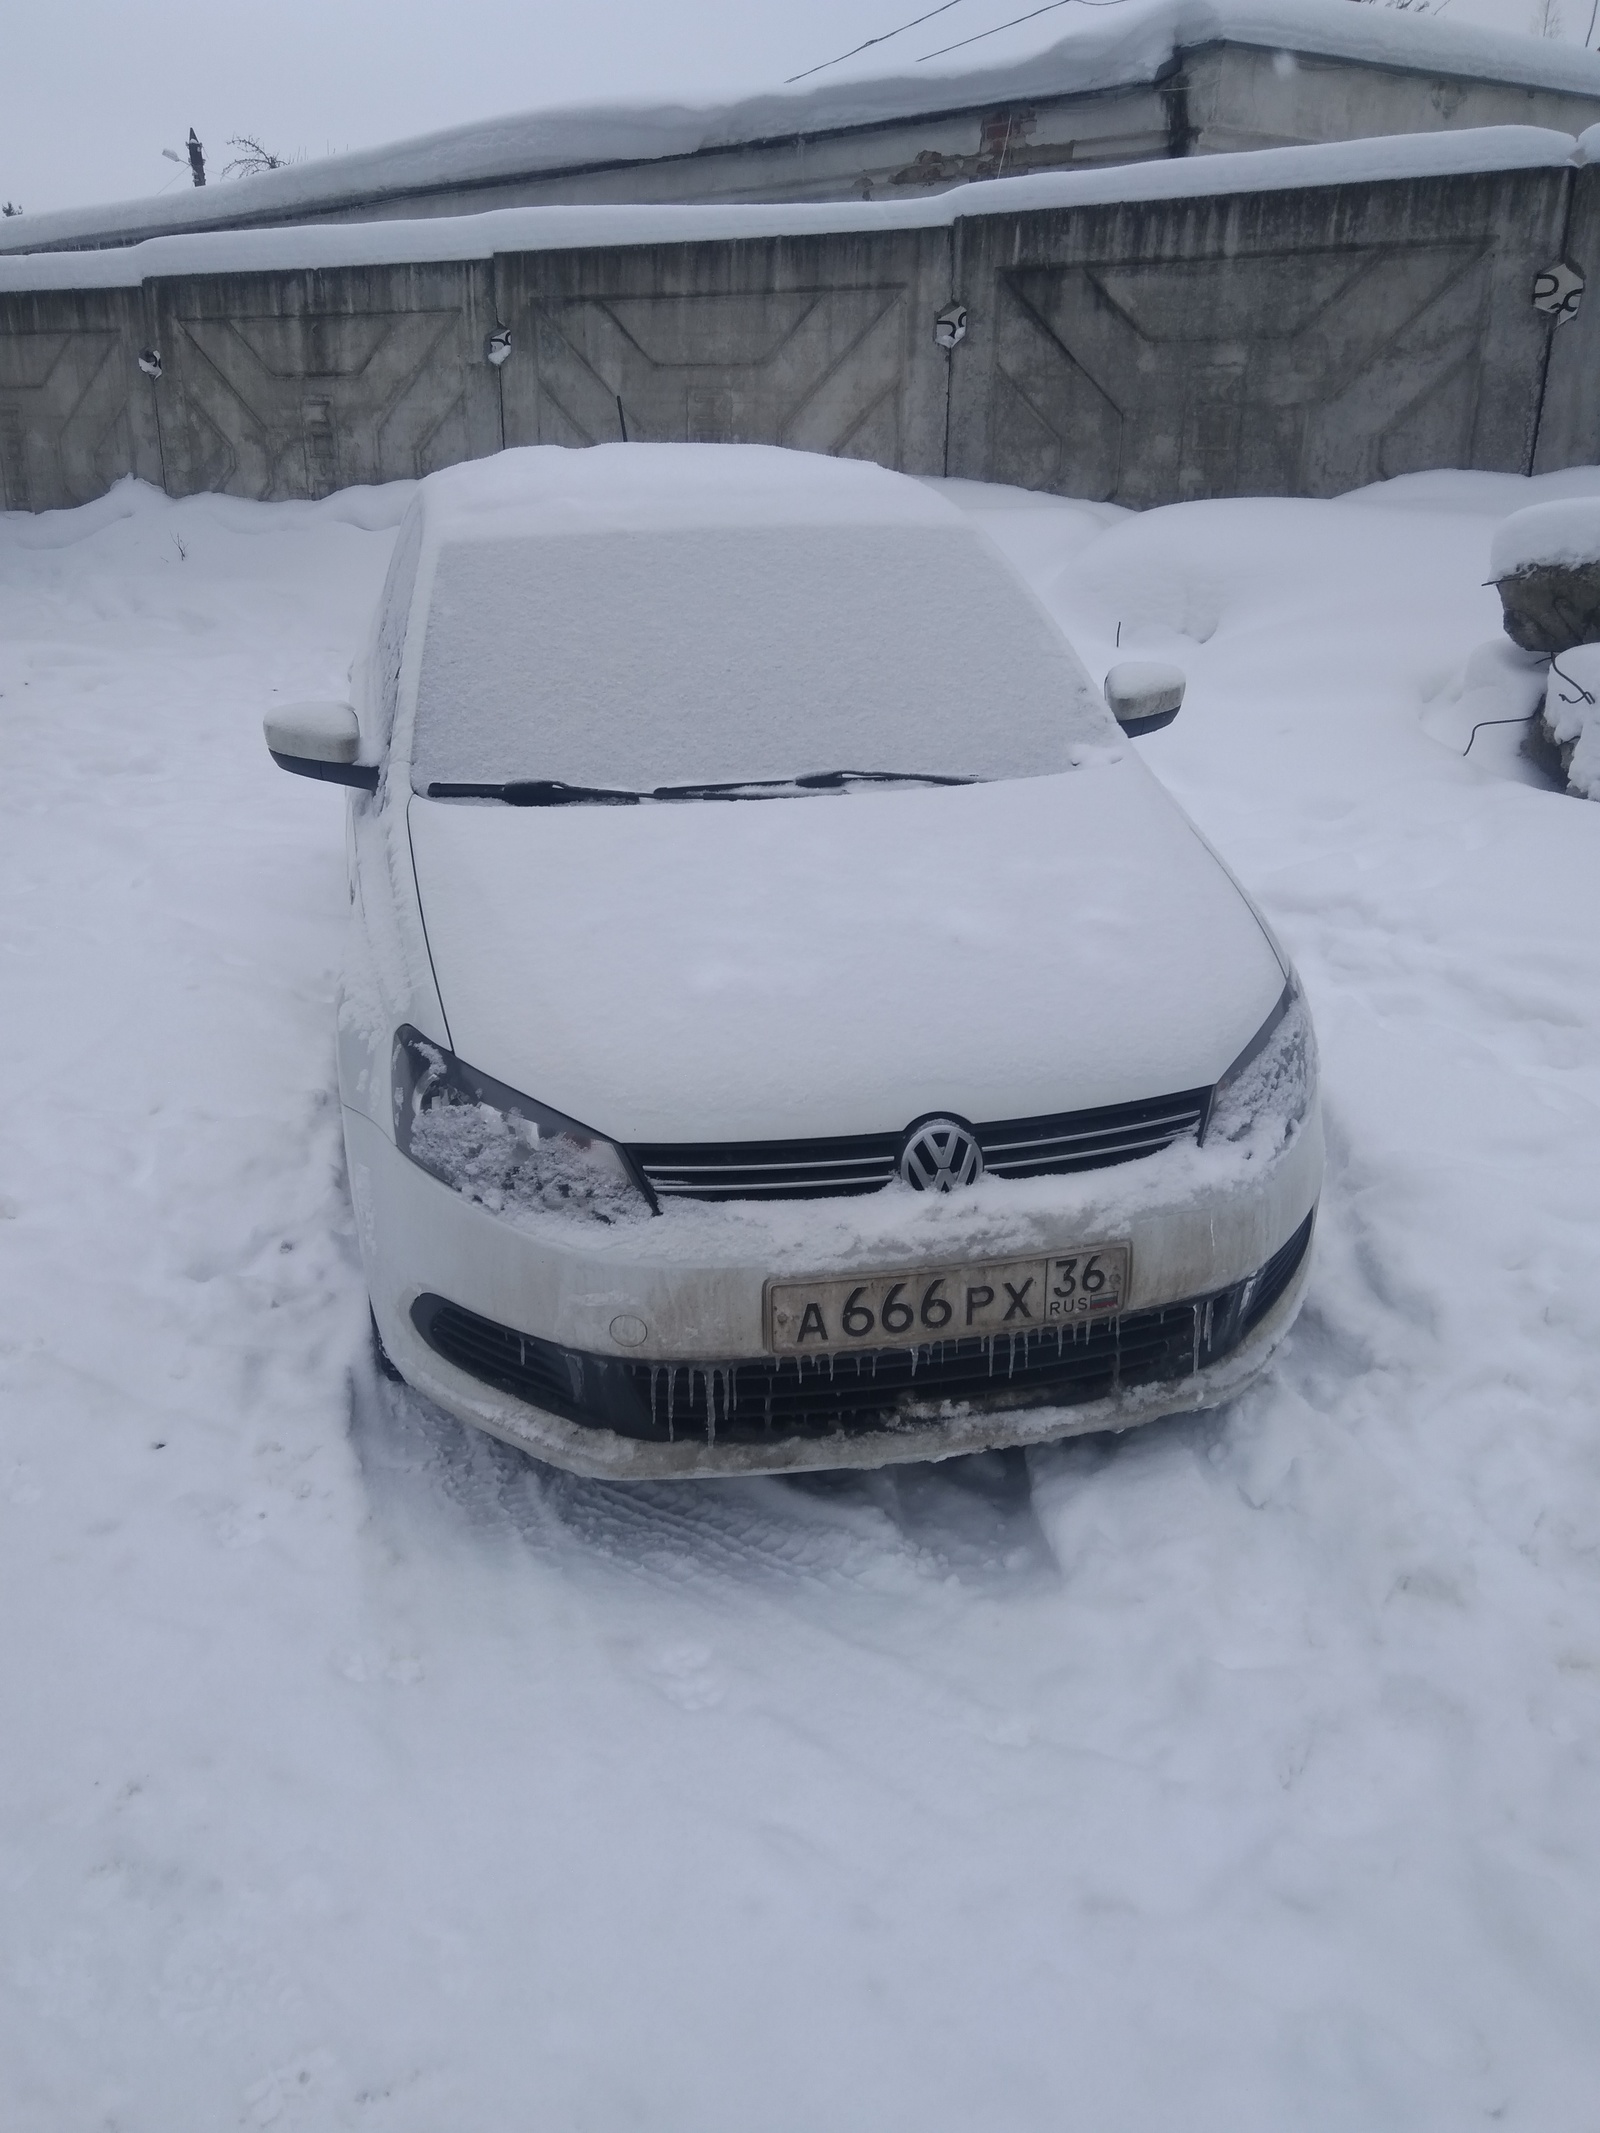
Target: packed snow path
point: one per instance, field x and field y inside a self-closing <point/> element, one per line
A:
<point x="1239" y="1775"/>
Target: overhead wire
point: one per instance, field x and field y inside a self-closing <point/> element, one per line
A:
<point x="943" y="8"/>
<point x="1049" y="8"/>
<point x="960" y="43"/>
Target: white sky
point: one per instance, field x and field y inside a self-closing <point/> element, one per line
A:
<point x="92" y="90"/>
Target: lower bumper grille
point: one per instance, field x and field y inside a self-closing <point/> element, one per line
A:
<point x="767" y="1400"/>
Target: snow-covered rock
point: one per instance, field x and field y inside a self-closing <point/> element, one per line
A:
<point x="1499" y="689"/>
<point x="1566" y="531"/>
<point x="1569" y="724"/>
<point x="1545" y="562"/>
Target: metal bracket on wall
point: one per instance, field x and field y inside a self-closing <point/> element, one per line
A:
<point x="1558" y="291"/>
<point x="950" y="327"/>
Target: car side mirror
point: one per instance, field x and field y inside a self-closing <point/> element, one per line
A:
<point x="1144" y="694"/>
<point x="319" y="740"/>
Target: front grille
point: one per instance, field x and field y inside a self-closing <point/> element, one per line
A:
<point x="1090" y="1140"/>
<point x="1012" y="1148"/>
<point x="770" y="1170"/>
<point x="768" y="1400"/>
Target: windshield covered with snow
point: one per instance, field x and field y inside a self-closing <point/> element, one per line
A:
<point x="634" y="660"/>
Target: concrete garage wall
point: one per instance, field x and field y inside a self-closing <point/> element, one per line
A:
<point x="1299" y="341"/>
<point x="1244" y="96"/>
<point x="1289" y="344"/>
<point x="298" y="384"/>
<point x="1569" y="418"/>
<point x="822" y="343"/>
<point x="75" y="412"/>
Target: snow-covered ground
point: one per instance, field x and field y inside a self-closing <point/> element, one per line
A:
<point x="354" y="1773"/>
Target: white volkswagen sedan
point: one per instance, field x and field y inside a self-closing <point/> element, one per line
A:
<point x="786" y="1025"/>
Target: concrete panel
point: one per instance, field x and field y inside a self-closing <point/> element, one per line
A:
<point x="1283" y="344"/>
<point x="1248" y="96"/>
<point x="76" y="412"/>
<point x="1569" y="421"/>
<point x="825" y="344"/>
<point x="292" y="385"/>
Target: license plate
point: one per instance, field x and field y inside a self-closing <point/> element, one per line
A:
<point x="909" y="1309"/>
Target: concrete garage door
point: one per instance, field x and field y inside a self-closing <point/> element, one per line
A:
<point x="1297" y="344"/>
<point x="299" y="384"/>
<point x="826" y="345"/>
<point x="75" y="411"/>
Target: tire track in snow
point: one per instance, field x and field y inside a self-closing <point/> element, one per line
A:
<point x="975" y="1523"/>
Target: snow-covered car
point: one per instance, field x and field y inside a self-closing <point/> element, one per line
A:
<point x="786" y="1025"/>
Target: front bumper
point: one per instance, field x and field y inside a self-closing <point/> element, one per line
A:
<point x="1202" y="1226"/>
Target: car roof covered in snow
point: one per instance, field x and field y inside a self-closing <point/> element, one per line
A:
<point x="538" y="490"/>
<point x="600" y="613"/>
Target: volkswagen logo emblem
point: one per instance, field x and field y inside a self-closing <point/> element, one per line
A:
<point x="939" y="1155"/>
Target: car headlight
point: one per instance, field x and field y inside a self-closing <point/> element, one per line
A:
<point x="1270" y="1086"/>
<point x="500" y="1148"/>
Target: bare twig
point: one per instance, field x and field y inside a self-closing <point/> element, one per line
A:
<point x="252" y="157"/>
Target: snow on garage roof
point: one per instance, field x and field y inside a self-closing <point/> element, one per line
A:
<point x="288" y="247"/>
<point x="1063" y="51"/>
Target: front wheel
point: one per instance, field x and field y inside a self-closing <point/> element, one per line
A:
<point x="380" y="1354"/>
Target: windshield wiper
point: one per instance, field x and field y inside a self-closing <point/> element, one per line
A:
<point x="553" y="792"/>
<point x="808" y="781"/>
<point x="539" y="792"/>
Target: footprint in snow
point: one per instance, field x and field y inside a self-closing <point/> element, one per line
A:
<point x="686" y="1675"/>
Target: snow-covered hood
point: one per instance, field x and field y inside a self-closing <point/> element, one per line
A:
<point x="845" y="963"/>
